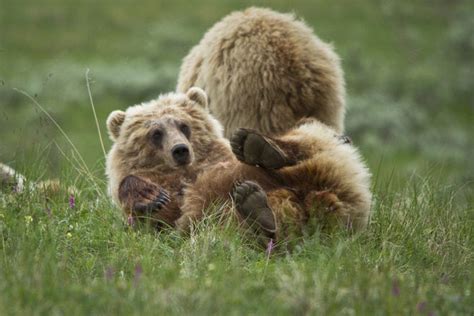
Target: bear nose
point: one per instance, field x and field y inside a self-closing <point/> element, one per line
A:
<point x="180" y="154"/>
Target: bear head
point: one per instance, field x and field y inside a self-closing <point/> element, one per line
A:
<point x="172" y="131"/>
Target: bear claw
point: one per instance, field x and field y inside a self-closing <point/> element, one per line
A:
<point x="252" y="148"/>
<point x="161" y="200"/>
<point x="251" y="203"/>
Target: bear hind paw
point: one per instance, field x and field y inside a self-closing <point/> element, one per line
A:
<point x="252" y="148"/>
<point x="252" y="205"/>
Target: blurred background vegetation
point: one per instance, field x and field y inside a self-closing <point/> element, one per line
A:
<point x="409" y="68"/>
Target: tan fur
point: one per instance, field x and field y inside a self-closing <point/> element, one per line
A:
<point x="266" y="70"/>
<point x="327" y="182"/>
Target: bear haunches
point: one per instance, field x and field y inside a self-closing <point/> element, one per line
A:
<point x="266" y="70"/>
<point x="307" y="173"/>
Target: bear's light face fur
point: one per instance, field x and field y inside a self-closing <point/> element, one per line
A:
<point x="150" y="133"/>
<point x="145" y="135"/>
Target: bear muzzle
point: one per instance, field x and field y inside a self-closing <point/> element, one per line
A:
<point x="181" y="154"/>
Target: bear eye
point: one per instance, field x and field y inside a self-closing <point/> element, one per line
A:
<point x="156" y="137"/>
<point x="184" y="128"/>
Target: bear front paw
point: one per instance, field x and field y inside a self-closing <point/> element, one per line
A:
<point x="152" y="200"/>
<point x="141" y="195"/>
<point x="252" y="148"/>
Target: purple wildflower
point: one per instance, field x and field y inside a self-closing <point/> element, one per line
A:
<point x="109" y="273"/>
<point x="130" y="220"/>
<point x="72" y="201"/>
<point x="395" y="288"/>
<point x="138" y="274"/>
<point x="48" y="211"/>
<point x="270" y="246"/>
<point x="421" y="307"/>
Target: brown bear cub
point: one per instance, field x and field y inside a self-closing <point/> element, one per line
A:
<point x="266" y="70"/>
<point x="170" y="162"/>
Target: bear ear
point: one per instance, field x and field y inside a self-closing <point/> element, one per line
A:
<point x="114" y="122"/>
<point x="197" y="95"/>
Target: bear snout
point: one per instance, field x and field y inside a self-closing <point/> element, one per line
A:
<point x="180" y="154"/>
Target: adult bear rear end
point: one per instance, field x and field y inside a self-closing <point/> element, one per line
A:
<point x="266" y="70"/>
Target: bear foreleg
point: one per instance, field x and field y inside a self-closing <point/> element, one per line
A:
<point x="140" y="196"/>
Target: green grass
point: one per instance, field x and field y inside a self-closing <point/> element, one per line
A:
<point x="409" y="72"/>
<point x="416" y="257"/>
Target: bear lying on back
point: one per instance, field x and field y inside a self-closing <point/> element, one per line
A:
<point x="170" y="161"/>
<point x="266" y="70"/>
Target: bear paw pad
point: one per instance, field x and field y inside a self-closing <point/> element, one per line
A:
<point x="251" y="203"/>
<point x="252" y="148"/>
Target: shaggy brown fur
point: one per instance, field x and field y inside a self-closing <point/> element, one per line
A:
<point x="308" y="173"/>
<point x="266" y="70"/>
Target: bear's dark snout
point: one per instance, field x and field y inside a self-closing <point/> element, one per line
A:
<point x="180" y="154"/>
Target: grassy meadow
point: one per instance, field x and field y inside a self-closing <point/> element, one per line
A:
<point x="410" y="76"/>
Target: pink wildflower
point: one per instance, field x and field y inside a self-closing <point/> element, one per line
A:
<point x="130" y="220"/>
<point x="395" y="288"/>
<point x="109" y="273"/>
<point x="421" y="307"/>
<point x="138" y="274"/>
<point x="270" y="246"/>
<point x="72" y="201"/>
